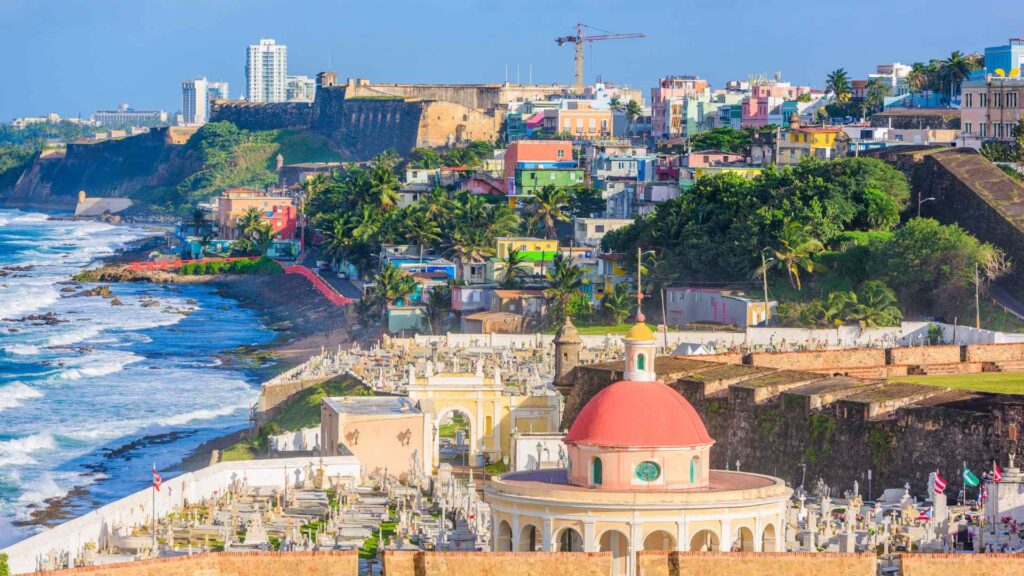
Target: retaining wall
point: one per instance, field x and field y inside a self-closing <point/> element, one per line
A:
<point x="973" y="564"/>
<point x="995" y="353"/>
<point x="412" y="563"/>
<point x="827" y="360"/>
<point x="661" y="563"/>
<point x="231" y="564"/>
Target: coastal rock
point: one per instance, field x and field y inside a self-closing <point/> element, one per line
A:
<point x="150" y="304"/>
<point x="48" y="319"/>
<point x="68" y="289"/>
<point x="103" y="291"/>
<point x="116" y="302"/>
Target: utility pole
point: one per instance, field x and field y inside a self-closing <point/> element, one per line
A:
<point x="764" y="280"/>
<point x="977" y="297"/>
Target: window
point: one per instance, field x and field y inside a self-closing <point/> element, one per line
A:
<point x="982" y="100"/>
<point x="553" y="175"/>
<point x="647" y="471"/>
<point x="997" y="101"/>
<point x="598" y="228"/>
<point x="593" y="124"/>
<point x="1011" y="100"/>
<point x="967" y="129"/>
<point x="969" y="99"/>
<point x="982" y="129"/>
<point x="694" y="472"/>
<point x="640" y="361"/>
<point x="997" y="130"/>
<point x="596" y="475"/>
<point x="561" y="153"/>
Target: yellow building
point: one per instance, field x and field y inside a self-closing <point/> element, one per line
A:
<point x="493" y="411"/>
<point x="580" y="119"/>
<point x="638" y="478"/>
<point x="810" y="142"/>
<point x="527" y="247"/>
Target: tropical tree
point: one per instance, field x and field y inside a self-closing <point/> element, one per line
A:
<point x="422" y="230"/>
<point x="249" y="220"/>
<point x="955" y="70"/>
<point x="877" y="305"/>
<point x="438" y="308"/>
<point x="795" y="252"/>
<point x="633" y="111"/>
<point x="424" y="158"/>
<point x="198" y="219"/>
<point x="393" y="284"/>
<point x="513" y="268"/>
<point x="564" y="282"/>
<point x="838" y="83"/>
<point x="617" y="304"/>
<point x="546" y="207"/>
<point x="384" y="184"/>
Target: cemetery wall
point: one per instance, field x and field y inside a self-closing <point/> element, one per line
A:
<point x="662" y="563"/>
<point x="231" y="564"/>
<point x="919" y="355"/>
<point x="413" y="563"/>
<point x="974" y="564"/>
<point x="820" y="360"/>
<point x="137" y="509"/>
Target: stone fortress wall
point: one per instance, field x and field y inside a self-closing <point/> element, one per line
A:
<point x="662" y="563"/>
<point x="835" y="413"/>
<point x="364" y="119"/>
<point x="414" y="563"/>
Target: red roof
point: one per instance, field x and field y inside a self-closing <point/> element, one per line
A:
<point x="638" y="415"/>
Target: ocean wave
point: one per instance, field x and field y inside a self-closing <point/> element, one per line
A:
<point x="100" y="363"/>
<point x="206" y="414"/>
<point x="73" y="336"/>
<point x="18" y="452"/>
<point x="12" y="395"/>
<point x="21" y="349"/>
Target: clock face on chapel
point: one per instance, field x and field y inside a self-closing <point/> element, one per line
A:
<point x="648" y="471"/>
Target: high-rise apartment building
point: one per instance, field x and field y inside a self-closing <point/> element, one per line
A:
<point x="194" y="101"/>
<point x="266" y="71"/>
<point x="218" y="91"/>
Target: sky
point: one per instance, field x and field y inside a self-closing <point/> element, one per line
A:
<point x="74" y="57"/>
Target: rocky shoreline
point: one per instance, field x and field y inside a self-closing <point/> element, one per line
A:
<point x="305" y="323"/>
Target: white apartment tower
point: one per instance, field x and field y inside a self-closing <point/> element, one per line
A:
<point x="194" y="101"/>
<point x="266" y="69"/>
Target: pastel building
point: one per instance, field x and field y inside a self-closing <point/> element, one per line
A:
<point x="535" y="155"/>
<point x="700" y="305"/>
<point x="992" y="100"/>
<point x="637" y="477"/>
<point x="234" y="203"/>
<point x="668" y="103"/>
<point x="581" y="119"/>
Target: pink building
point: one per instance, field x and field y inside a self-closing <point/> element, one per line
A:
<point x="670" y="91"/>
<point x="708" y="158"/>
<point x="765" y="101"/>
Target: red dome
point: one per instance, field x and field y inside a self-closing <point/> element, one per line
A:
<point x="638" y="414"/>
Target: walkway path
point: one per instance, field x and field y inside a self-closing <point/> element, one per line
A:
<point x="326" y="289"/>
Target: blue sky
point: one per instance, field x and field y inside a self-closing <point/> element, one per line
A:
<point x="76" y="56"/>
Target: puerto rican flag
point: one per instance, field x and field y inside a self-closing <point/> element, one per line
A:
<point x="997" y="472"/>
<point x="925" y="515"/>
<point x="156" y="479"/>
<point x="939" y="484"/>
<point x="983" y="495"/>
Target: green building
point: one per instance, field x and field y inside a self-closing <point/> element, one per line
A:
<point x="529" y="180"/>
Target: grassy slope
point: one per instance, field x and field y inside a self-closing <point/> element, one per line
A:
<point x="994" y="382"/>
<point x="302" y="411"/>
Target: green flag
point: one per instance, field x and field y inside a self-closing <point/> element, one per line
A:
<point x="969" y="478"/>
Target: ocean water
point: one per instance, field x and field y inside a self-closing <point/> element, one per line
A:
<point x="89" y="404"/>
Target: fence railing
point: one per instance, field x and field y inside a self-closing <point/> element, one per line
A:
<point x="326" y="289"/>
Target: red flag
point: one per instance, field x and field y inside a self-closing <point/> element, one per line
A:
<point x="156" y="479"/>
<point x="997" y="473"/>
<point x="939" y="484"/>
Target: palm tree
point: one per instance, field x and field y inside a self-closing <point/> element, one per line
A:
<point x="795" y="253"/>
<point x="384" y="185"/>
<point x="878" y="305"/>
<point x="514" y="267"/>
<point x="262" y="237"/>
<point x="198" y="218"/>
<point x="838" y="83"/>
<point x="438" y="204"/>
<point x="249" y="220"/>
<point x="204" y="242"/>
<point x="547" y="206"/>
<point x="393" y="284"/>
<point x="918" y="77"/>
<point x="438" y="307"/>
<point x="422" y="230"/>
<point x="564" y="281"/>
<point x="617" y="304"/>
<point x="955" y="70"/>
<point x="504" y="221"/>
<point x="633" y="111"/>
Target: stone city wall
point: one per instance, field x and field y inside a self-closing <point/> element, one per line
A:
<point x="662" y="563"/>
<point x="95" y="527"/>
<point x="447" y="123"/>
<point x="262" y="115"/>
<point x="922" y="355"/>
<point x="820" y="360"/>
<point x="973" y="564"/>
<point x="995" y="353"/>
<point x="413" y="563"/>
<point x="231" y="564"/>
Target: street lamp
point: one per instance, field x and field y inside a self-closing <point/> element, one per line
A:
<point x="921" y="201"/>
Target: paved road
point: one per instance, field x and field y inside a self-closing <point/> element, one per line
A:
<point x="346" y="288"/>
<point x="1006" y="300"/>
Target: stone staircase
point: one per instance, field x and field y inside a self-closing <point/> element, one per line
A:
<point x="1003" y="366"/>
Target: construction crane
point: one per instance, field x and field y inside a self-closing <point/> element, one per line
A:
<point x="579" y="39"/>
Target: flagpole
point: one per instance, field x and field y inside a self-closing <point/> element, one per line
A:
<point x="152" y="488"/>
